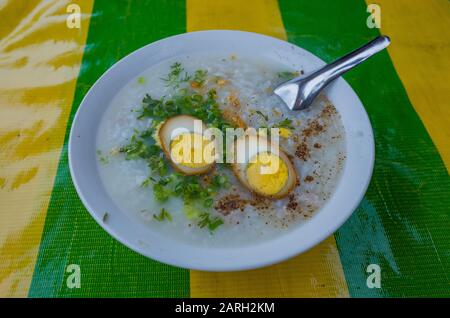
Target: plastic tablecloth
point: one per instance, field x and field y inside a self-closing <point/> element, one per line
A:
<point x="400" y="231"/>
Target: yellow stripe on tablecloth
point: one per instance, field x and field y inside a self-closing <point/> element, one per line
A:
<point x="40" y="59"/>
<point x="420" y="51"/>
<point x="317" y="273"/>
<point x="261" y="16"/>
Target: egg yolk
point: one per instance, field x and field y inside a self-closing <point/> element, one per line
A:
<point x="188" y="150"/>
<point x="267" y="173"/>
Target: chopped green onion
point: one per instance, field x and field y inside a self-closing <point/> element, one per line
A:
<point x="163" y="215"/>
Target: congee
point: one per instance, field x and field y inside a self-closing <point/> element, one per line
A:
<point x="152" y="159"/>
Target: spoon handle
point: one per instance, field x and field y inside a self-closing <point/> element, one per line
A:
<point x="347" y="62"/>
<point x="300" y="92"/>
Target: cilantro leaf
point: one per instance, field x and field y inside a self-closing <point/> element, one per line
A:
<point x="175" y="78"/>
<point x="200" y="77"/>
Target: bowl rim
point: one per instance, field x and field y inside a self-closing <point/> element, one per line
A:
<point x="240" y="265"/>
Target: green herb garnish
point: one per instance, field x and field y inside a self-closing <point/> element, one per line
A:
<point x="174" y="78"/>
<point x="220" y="181"/>
<point x="148" y="181"/>
<point x="200" y="77"/>
<point x="158" y="164"/>
<point x="162" y="189"/>
<point x="191" y="211"/>
<point x="163" y="215"/>
<point x="211" y="222"/>
<point x="157" y="109"/>
<point x="101" y="158"/>
<point x="285" y="123"/>
<point x="189" y="188"/>
<point x="197" y="196"/>
<point x="287" y="75"/>
<point x="135" y="149"/>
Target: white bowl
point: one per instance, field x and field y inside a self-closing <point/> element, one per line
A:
<point x="350" y="190"/>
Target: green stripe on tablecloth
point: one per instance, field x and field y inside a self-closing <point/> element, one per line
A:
<point x="70" y="234"/>
<point x="403" y="222"/>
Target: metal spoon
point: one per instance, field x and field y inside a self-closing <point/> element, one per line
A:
<point x="299" y="92"/>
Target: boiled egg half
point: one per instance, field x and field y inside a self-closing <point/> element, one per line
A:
<point x="262" y="168"/>
<point x="185" y="146"/>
